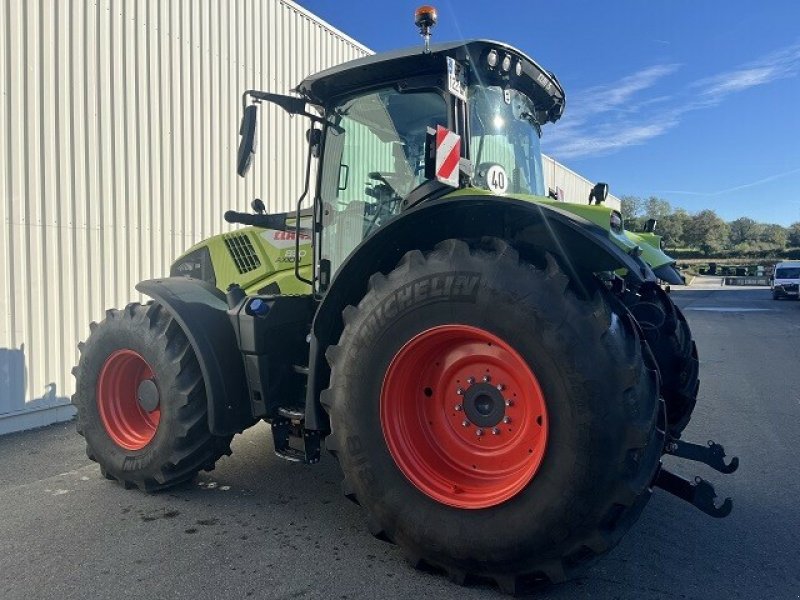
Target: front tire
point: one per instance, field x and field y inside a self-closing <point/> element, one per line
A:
<point x="668" y="334"/>
<point x="586" y="400"/>
<point x="141" y="400"/>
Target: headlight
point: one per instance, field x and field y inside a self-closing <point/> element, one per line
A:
<point x="615" y="222"/>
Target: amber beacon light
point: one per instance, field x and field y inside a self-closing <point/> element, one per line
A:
<point x="425" y="18"/>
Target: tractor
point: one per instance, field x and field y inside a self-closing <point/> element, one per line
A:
<point x="497" y="373"/>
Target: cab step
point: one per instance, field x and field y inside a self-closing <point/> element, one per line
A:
<point x="289" y="425"/>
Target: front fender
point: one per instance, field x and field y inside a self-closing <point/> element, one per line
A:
<point x="201" y="311"/>
<point x="650" y="244"/>
<point x="584" y="247"/>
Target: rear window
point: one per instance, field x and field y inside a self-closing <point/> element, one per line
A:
<point x="788" y="273"/>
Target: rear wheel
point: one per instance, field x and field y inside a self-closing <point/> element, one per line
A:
<point x="490" y="420"/>
<point x="141" y="400"/>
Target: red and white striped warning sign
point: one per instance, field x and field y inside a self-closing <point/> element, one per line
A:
<point x="448" y="152"/>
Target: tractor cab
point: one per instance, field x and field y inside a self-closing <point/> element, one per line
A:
<point x="399" y="128"/>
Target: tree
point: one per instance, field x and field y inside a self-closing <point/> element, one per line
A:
<point x="744" y="230"/>
<point x="774" y="236"/>
<point x="631" y="207"/>
<point x="794" y="235"/>
<point x="706" y="231"/>
<point x="672" y="226"/>
<point x="656" y="208"/>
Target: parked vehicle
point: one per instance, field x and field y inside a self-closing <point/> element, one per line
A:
<point x="785" y="281"/>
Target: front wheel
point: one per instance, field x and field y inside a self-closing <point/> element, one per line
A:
<point x="670" y="338"/>
<point x="141" y="400"/>
<point x="490" y="420"/>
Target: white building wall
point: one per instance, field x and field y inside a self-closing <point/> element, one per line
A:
<point x="118" y="133"/>
<point x="572" y="187"/>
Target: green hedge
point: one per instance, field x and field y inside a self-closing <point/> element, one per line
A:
<point x="768" y="255"/>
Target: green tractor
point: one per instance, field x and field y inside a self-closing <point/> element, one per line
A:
<point x="497" y="373"/>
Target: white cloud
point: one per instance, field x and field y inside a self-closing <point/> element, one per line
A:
<point x="608" y="117"/>
<point x="735" y="188"/>
<point x="778" y="65"/>
<point x="607" y="97"/>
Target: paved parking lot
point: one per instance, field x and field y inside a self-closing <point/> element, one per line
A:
<point x="260" y="527"/>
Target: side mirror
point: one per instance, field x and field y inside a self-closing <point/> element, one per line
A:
<point x="258" y="206"/>
<point x="650" y="226"/>
<point x="248" y="131"/>
<point x="599" y="193"/>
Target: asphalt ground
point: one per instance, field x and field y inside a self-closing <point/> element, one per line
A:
<point x="264" y="528"/>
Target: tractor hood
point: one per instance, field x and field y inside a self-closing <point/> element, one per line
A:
<point x="539" y="84"/>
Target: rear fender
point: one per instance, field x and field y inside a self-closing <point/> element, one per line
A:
<point x="201" y="311"/>
<point x="583" y="246"/>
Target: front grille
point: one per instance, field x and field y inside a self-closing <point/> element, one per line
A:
<point x="242" y="252"/>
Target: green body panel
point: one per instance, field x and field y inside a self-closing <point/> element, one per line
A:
<point x="648" y="243"/>
<point x="275" y="251"/>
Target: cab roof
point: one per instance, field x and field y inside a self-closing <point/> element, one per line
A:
<point x="386" y="67"/>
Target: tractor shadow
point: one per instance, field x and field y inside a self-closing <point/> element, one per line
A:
<point x="288" y="509"/>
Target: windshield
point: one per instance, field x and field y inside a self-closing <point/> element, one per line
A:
<point x="788" y="273"/>
<point x="504" y="141"/>
<point x="374" y="156"/>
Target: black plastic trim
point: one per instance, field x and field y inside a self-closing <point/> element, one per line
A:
<point x="670" y="274"/>
<point x="201" y="311"/>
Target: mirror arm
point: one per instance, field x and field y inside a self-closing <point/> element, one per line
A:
<point x="291" y="104"/>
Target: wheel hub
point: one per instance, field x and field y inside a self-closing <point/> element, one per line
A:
<point x="147" y="395"/>
<point x="484" y="405"/>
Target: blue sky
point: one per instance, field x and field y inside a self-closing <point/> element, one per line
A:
<point x="697" y="102"/>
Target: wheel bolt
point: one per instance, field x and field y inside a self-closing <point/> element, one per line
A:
<point x="465" y="423"/>
<point x="506" y="419"/>
<point x="460" y="391"/>
<point x="495" y="431"/>
<point x="509" y="402"/>
<point x="470" y="380"/>
<point x="486" y="379"/>
<point x="459" y="408"/>
<point x="479" y="432"/>
<point x="500" y="387"/>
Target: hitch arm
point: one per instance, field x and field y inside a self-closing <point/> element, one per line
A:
<point x="713" y="454"/>
<point x="699" y="493"/>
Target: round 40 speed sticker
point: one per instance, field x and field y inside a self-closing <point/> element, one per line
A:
<point x="497" y="180"/>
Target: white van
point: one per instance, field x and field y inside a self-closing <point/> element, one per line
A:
<point x="786" y="280"/>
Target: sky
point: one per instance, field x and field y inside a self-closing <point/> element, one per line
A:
<point x="697" y="102"/>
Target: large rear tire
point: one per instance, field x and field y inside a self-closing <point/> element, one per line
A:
<point x="670" y="338"/>
<point x="560" y="482"/>
<point x="141" y="400"/>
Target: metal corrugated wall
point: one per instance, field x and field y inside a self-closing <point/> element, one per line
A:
<point x="119" y="123"/>
<point x="573" y="187"/>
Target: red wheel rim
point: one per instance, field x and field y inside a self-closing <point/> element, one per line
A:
<point x="126" y="422"/>
<point x="437" y="409"/>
